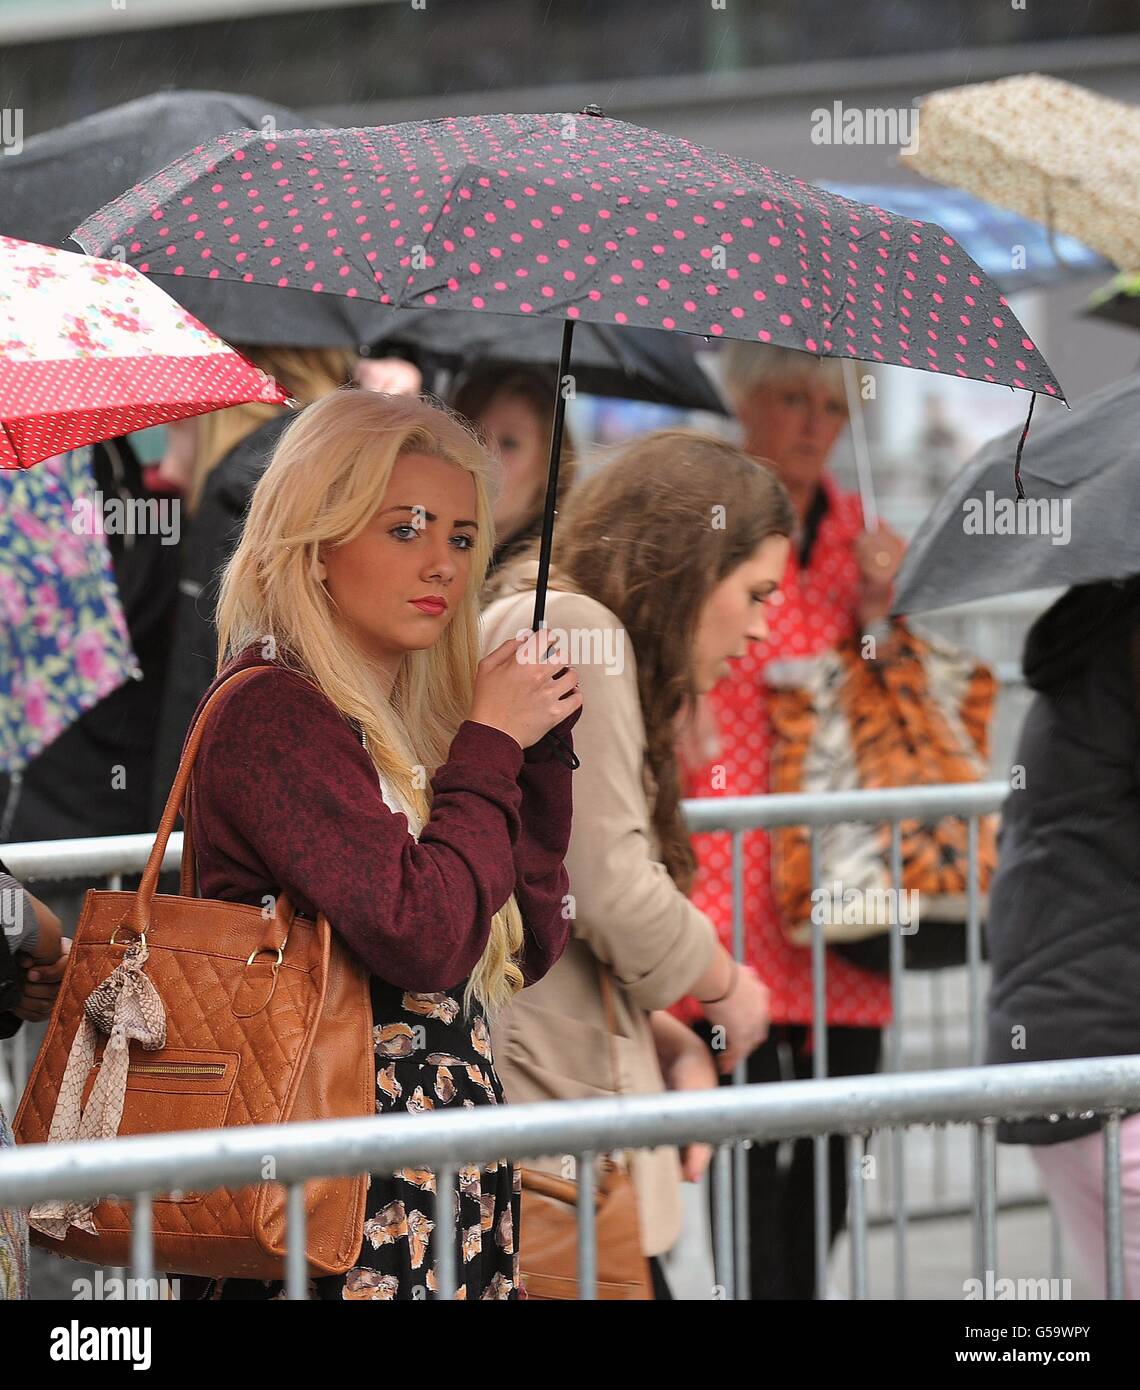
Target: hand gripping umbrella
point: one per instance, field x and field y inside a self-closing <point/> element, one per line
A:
<point x="575" y="216"/>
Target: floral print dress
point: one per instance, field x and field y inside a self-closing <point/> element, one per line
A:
<point x="429" y="1057"/>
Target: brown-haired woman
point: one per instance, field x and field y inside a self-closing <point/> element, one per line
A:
<point x="663" y="562"/>
<point x="513" y="409"/>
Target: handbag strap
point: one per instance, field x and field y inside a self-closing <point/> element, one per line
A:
<point x="138" y="916"/>
<point x="189" y="869"/>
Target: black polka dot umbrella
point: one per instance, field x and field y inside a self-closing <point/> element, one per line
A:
<point x="575" y="216"/>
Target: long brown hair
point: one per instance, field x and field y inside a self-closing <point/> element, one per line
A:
<point x="650" y="536"/>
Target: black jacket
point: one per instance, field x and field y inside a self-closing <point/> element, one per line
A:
<point x="1064" y="915"/>
<point x="210" y="541"/>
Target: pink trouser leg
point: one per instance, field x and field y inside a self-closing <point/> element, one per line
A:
<point x="1072" y="1174"/>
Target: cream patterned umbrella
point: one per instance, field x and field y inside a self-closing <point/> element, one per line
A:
<point x="1047" y="149"/>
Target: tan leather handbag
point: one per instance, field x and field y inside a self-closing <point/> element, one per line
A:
<point x="548" y="1249"/>
<point x="184" y="1013"/>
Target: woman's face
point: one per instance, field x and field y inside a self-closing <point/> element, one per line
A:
<point x="733" y="614"/>
<point x="794" y="422"/>
<point x="514" y="432"/>
<point x="397" y="584"/>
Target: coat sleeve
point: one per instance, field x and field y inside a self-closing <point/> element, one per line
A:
<point x="542" y="884"/>
<point x="626" y="907"/>
<point x="285" y="792"/>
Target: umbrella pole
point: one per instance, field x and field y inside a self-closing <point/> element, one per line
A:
<point x="547" y="542"/>
<point x="562" y="749"/>
<point x="859" y="443"/>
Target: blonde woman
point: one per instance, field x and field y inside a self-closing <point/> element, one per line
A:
<point x="386" y="777"/>
<point x="222" y="457"/>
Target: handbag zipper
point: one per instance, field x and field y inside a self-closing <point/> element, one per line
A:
<point x="176" y="1068"/>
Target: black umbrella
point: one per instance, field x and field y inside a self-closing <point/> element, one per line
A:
<point x="1077" y="527"/>
<point x="632" y="363"/>
<point x="572" y="216"/>
<point x="58" y="177"/>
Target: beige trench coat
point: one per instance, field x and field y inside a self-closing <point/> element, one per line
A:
<point x="628" y="916"/>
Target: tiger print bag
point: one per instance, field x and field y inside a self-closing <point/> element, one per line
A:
<point x="842" y="722"/>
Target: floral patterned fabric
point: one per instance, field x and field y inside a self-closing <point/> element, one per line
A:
<point x="64" y="643"/>
<point x="92" y="349"/>
<point x="428" y="1057"/>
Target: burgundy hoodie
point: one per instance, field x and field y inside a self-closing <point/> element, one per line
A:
<point x="286" y="799"/>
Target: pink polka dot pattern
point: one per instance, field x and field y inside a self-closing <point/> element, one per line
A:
<point x="818" y="610"/>
<point x="90" y="349"/>
<point x="576" y="216"/>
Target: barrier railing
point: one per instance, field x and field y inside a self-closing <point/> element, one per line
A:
<point x="115" y="856"/>
<point x="739" y="815"/>
<point x="147" y="1167"/>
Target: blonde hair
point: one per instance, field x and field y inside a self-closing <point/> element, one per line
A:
<point x="744" y="366"/>
<point x="305" y="374"/>
<point x="325" y="482"/>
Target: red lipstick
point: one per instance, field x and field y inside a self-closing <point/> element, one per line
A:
<point x="430" y="603"/>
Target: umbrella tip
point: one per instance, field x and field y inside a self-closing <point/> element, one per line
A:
<point x="591" y="109"/>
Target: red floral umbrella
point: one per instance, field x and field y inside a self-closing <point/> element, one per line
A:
<point x="90" y="349"/>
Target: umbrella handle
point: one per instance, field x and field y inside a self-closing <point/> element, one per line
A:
<point x="859" y="443"/>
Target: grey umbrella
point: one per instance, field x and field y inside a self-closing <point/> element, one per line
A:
<point x="64" y="174"/>
<point x="1076" y="525"/>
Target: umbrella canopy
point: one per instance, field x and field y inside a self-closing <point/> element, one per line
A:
<point x="986" y="232"/>
<point x="1118" y="301"/>
<point x="1054" y="152"/>
<point x="59" y="176"/>
<point x="90" y="349"/>
<point x="633" y="363"/>
<point x="578" y="217"/>
<point x="1078" y="526"/>
<point x="64" y="644"/>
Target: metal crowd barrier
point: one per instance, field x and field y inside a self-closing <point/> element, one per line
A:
<point x="147" y="1167"/>
<point x="891" y="806"/>
<point x="111" y="857"/>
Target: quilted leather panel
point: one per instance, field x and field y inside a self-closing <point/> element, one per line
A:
<point x="302" y="1046"/>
